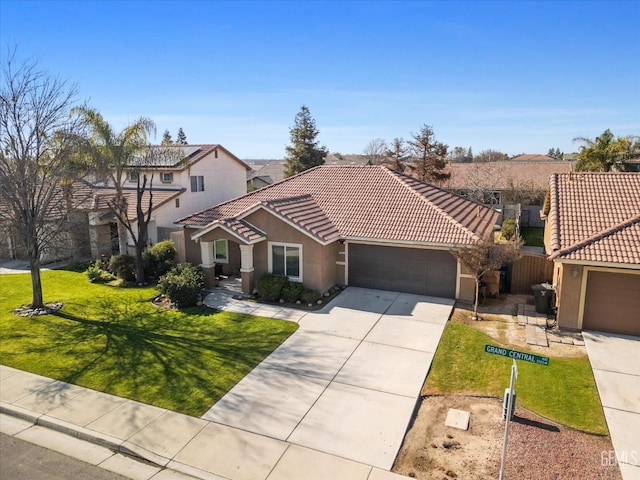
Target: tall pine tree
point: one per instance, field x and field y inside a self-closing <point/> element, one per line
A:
<point x="304" y="152"/>
<point x="429" y="157"/>
<point x="181" y="139"/>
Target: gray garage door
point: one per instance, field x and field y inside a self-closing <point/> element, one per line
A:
<point x="410" y="270"/>
<point x="612" y="303"/>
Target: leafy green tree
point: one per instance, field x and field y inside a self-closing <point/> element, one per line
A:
<point x="555" y="153"/>
<point x="461" y="155"/>
<point x="490" y="155"/>
<point x="166" y="138"/>
<point x="181" y="139"/>
<point x="429" y="156"/>
<point x="397" y="153"/>
<point x="606" y="153"/>
<point x="304" y="152"/>
<point x="38" y="143"/>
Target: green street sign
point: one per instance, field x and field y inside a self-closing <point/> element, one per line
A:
<point x="516" y="355"/>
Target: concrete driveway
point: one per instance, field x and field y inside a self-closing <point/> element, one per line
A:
<point x="615" y="360"/>
<point x="346" y="382"/>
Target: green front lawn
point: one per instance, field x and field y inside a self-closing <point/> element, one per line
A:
<point x="114" y="340"/>
<point x="564" y="391"/>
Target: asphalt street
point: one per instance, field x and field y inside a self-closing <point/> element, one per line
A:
<point x="20" y="460"/>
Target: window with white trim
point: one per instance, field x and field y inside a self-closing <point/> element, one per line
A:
<point x="197" y="183"/>
<point x="286" y="259"/>
<point x="132" y="176"/>
<point x="166" y="177"/>
<point x="221" y="251"/>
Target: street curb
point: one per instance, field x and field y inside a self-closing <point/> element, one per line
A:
<point x="103" y="440"/>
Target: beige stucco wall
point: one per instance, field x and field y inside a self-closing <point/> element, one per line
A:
<point x="467" y="289"/>
<point x="318" y="261"/>
<point x="319" y="269"/>
<point x="568" y="290"/>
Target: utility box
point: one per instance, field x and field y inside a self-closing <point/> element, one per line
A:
<point x="505" y="404"/>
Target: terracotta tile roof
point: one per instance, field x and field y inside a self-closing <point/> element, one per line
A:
<point x="186" y="156"/>
<point x="362" y="202"/>
<point x="533" y="157"/>
<point x="242" y="229"/>
<point x="594" y="217"/>
<point x="98" y="198"/>
<point x="504" y="175"/>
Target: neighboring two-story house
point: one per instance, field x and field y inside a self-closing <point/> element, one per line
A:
<point x="192" y="178"/>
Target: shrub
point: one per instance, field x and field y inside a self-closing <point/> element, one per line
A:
<point x="182" y="284"/>
<point x="159" y="258"/>
<point x="123" y="266"/>
<point x="508" y="228"/>
<point x="310" y="296"/>
<point x="96" y="274"/>
<point x="292" y="291"/>
<point x="270" y="286"/>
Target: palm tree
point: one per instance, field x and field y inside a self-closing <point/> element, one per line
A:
<point x="605" y="153"/>
<point x="112" y="154"/>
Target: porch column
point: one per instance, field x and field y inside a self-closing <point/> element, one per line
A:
<point x="208" y="263"/>
<point x="246" y="267"/>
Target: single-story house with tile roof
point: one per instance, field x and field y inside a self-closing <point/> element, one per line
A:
<point x="592" y="234"/>
<point x="366" y="226"/>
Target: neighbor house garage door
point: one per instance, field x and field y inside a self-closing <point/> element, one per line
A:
<point x="612" y="303"/>
<point x="411" y="270"/>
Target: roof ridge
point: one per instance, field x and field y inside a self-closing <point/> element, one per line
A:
<point x="396" y="175"/>
<point x="597" y="236"/>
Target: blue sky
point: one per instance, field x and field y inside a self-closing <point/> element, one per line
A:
<point x="520" y="77"/>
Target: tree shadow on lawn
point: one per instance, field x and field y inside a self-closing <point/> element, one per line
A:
<point x="168" y="359"/>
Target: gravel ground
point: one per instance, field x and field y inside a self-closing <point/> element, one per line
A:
<point x="537" y="448"/>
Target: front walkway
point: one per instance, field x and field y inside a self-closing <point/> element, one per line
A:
<point x="615" y="360"/>
<point x="347" y="381"/>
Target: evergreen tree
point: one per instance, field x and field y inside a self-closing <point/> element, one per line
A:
<point x="166" y="138"/>
<point x="304" y="152"/>
<point x="181" y="139"/>
<point x="429" y="157"/>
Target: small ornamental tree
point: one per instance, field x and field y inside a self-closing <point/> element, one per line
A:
<point x="484" y="257"/>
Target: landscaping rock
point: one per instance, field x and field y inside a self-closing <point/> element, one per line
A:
<point x="27" y="311"/>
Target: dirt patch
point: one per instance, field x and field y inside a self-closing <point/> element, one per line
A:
<point x="499" y="320"/>
<point x="537" y="449"/>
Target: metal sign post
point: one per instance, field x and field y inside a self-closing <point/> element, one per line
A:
<point x="514" y="355"/>
<point x="514" y="375"/>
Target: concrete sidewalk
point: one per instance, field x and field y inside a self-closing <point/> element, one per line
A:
<point x="342" y="392"/>
<point x="193" y="446"/>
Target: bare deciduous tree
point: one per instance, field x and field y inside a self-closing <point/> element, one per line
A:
<point x="37" y="141"/>
<point x="484" y="257"/>
<point x="375" y="151"/>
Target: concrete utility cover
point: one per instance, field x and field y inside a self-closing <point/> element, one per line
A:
<point x="457" y="419"/>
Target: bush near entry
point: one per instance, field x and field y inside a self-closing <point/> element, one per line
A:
<point x="182" y="284"/>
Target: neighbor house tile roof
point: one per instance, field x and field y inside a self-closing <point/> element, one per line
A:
<point x="362" y="202"/>
<point x="594" y="217"/>
<point x="533" y="157"/>
<point x="98" y="198"/>
<point x="504" y="175"/>
<point x="179" y="157"/>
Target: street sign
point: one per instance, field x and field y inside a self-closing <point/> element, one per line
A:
<point x="516" y="355"/>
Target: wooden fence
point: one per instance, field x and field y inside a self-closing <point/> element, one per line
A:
<point x="530" y="269"/>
